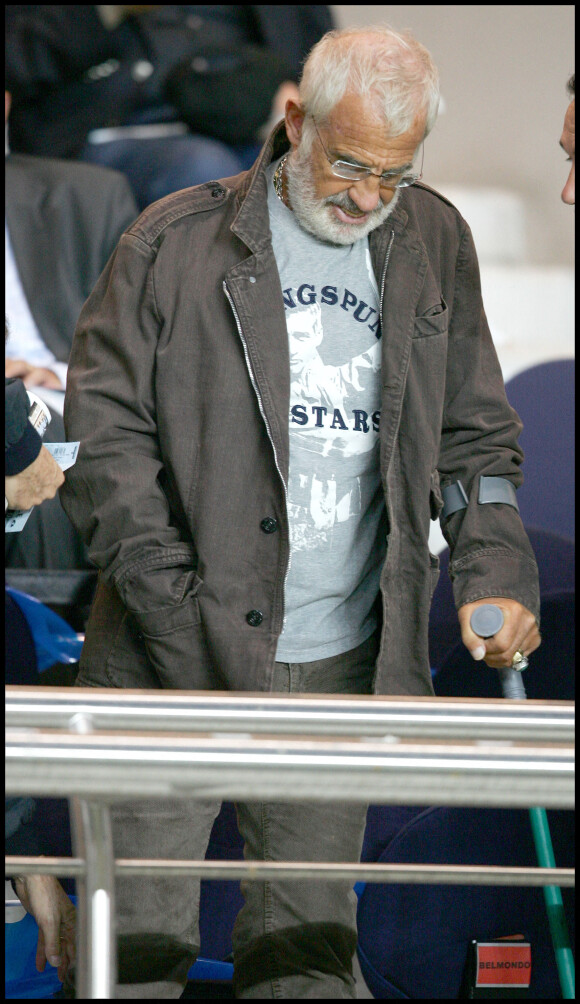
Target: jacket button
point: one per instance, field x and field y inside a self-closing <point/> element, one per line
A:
<point x="216" y="193"/>
<point x="269" y="524"/>
<point x="254" y="618"/>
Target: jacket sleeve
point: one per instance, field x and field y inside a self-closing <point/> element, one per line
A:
<point x="21" y="441"/>
<point x="113" y="494"/>
<point x="490" y="553"/>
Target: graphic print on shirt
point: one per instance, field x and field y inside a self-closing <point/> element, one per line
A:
<point x="335" y="503"/>
<point x="334" y="410"/>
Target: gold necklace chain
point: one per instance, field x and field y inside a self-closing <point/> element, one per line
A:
<point x="278" y="178"/>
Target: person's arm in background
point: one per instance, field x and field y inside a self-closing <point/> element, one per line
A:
<point x="33" y="475"/>
<point x="45" y="899"/>
<point x="31" y="472"/>
<point x="41" y="895"/>
<point x="33" y="376"/>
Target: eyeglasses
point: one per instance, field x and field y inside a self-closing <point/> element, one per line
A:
<point x="355" y="172"/>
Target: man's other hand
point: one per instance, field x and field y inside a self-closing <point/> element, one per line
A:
<point x="32" y="376"/>
<point x="44" y="898"/>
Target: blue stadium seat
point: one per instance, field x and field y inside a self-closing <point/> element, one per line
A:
<point x="54" y="640"/>
<point x="544" y="397"/>
<point x="413" y="940"/>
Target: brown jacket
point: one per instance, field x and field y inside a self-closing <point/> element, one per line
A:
<point x="179" y="391"/>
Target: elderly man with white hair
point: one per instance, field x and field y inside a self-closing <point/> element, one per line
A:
<point x="279" y="379"/>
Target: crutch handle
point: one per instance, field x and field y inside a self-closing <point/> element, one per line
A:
<point x="486" y="621"/>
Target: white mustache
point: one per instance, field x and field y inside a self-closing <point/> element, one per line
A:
<point x="344" y="201"/>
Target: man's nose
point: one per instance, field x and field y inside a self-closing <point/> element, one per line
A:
<point x="368" y="195"/>
<point x="568" y="193"/>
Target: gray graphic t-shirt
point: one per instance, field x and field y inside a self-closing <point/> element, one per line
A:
<point x="335" y="501"/>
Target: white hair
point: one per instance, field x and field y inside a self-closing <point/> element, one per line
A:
<point x="395" y="71"/>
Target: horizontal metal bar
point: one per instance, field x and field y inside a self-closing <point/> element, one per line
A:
<point x="266" y="871"/>
<point x="54" y="586"/>
<point x="243" y="768"/>
<point x="19" y="865"/>
<point x="442" y="718"/>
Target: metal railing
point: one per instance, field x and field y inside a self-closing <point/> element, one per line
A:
<point x="402" y="717"/>
<point x="99" y="747"/>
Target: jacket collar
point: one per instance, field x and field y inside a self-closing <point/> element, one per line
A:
<point x="252" y="222"/>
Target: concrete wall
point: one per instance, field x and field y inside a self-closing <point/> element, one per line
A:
<point x="503" y="78"/>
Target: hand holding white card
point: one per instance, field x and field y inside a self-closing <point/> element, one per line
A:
<point x="65" y="455"/>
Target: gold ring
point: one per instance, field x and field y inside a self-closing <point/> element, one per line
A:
<point x="519" y="661"/>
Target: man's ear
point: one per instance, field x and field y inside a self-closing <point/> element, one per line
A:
<point x="294" y="119"/>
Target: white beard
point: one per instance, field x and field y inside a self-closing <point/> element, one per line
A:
<point x="316" y="215"/>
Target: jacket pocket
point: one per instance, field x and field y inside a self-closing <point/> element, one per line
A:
<point x="165" y="620"/>
<point x="175" y="644"/>
<point x="113" y="654"/>
<point x="127" y="665"/>
<point x="147" y="650"/>
<point x="435" y="321"/>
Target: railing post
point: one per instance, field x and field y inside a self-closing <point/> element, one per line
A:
<point x="96" y="967"/>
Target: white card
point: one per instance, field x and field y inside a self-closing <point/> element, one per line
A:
<point x="65" y="454"/>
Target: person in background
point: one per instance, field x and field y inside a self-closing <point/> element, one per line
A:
<point x="44" y="898"/>
<point x="32" y="476"/>
<point x="568" y="143"/>
<point x="31" y="473"/>
<point x="277" y="382"/>
<point x="172" y="95"/>
<point x="62" y="223"/>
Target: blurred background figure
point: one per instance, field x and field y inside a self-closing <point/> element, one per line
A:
<point x="31" y="477"/>
<point x="31" y="474"/>
<point x="44" y="898"/>
<point x="62" y="223"/>
<point x="171" y="95"/>
<point x="568" y="143"/>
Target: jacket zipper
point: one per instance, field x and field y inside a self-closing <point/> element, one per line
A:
<point x="383" y="280"/>
<point x="262" y="412"/>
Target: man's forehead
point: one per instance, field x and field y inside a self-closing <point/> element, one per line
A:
<point x="355" y="111"/>
<point x="357" y="119"/>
